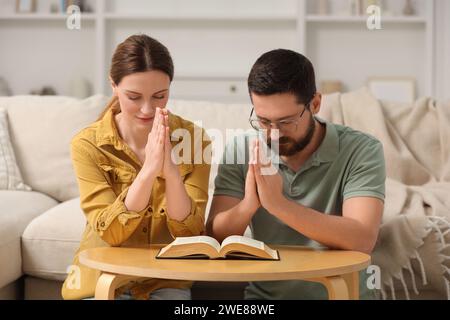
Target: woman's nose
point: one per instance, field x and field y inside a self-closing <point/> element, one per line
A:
<point x="147" y="109"/>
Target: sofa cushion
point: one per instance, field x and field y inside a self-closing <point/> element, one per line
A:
<point x="10" y="176"/>
<point x="215" y="118"/>
<point x="213" y="115"/>
<point x="50" y="241"/>
<point x="41" y="128"/>
<point x="17" y="209"/>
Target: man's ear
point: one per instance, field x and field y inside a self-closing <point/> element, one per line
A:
<point x="315" y="103"/>
<point x="113" y="86"/>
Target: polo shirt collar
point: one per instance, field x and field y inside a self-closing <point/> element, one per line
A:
<point x="328" y="149"/>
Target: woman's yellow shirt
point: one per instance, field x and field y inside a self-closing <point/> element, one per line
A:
<point x="105" y="168"/>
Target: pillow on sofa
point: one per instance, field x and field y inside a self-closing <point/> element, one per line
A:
<point x="41" y="128"/>
<point x="10" y="176"/>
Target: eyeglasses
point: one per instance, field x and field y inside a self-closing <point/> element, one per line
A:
<point x="289" y="125"/>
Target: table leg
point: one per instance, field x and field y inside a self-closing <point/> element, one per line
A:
<point x="343" y="287"/>
<point x="107" y="284"/>
<point x="352" y="280"/>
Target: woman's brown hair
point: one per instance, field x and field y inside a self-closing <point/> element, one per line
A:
<point x="138" y="53"/>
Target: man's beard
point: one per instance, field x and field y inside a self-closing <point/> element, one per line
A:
<point x="287" y="146"/>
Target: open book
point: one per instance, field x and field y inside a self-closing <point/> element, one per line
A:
<point x="233" y="247"/>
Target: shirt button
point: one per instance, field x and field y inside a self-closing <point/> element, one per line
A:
<point x="102" y="224"/>
<point x="144" y="230"/>
<point x="161" y="211"/>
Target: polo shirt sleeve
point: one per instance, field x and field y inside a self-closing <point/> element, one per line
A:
<point x="367" y="172"/>
<point x="230" y="178"/>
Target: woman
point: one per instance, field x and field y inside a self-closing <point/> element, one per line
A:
<point x="125" y="170"/>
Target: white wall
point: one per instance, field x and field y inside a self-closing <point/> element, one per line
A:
<point x="442" y="67"/>
<point x="352" y="53"/>
<point x="38" y="53"/>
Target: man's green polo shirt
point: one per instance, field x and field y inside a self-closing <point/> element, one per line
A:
<point x="347" y="164"/>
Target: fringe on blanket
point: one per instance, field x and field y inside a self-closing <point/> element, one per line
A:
<point x="441" y="227"/>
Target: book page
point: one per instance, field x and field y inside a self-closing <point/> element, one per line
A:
<point x="244" y="240"/>
<point x="205" y="239"/>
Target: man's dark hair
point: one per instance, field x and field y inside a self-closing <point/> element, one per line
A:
<point x="283" y="71"/>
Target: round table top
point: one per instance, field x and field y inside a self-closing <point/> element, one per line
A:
<point x="295" y="262"/>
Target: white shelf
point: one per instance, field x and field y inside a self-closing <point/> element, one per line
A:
<point x="44" y="17"/>
<point x="235" y="36"/>
<point x="388" y="19"/>
<point x="185" y="17"/>
<point x="250" y="18"/>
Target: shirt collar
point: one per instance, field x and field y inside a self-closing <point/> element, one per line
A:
<point x="108" y="133"/>
<point x="326" y="152"/>
<point x="329" y="148"/>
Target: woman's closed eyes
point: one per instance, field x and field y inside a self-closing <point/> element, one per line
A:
<point x="137" y="98"/>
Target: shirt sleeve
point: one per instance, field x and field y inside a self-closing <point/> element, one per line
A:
<point x="196" y="185"/>
<point x="367" y="174"/>
<point x="230" y="179"/>
<point x="105" y="211"/>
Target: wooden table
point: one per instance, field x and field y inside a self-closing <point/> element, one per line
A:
<point x="338" y="270"/>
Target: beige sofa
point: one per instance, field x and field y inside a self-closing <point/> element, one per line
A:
<point x="40" y="230"/>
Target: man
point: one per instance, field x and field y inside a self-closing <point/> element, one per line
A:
<point x="328" y="189"/>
